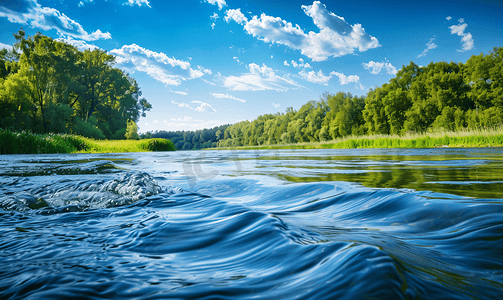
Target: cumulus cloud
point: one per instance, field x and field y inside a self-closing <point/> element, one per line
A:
<point x="137" y="2"/>
<point x="315" y="77"/>
<point x="203" y="106"/>
<point x="276" y="105"/>
<point x="343" y="79"/>
<point x="31" y="13"/>
<point x="81" y="45"/>
<point x="466" y="38"/>
<point x="448" y="18"/>
<point x="220" y="3"/>
<point x="236" y="15"/>
<point x="158" y="65"/>
<point x="430" y="45"/>
<point x="5" y="46"/>
<point x="335" y="37"/>
<point x="227" y="96"/>
<point x="300" y="64"/>
<point x="237" y="59"/>
<point x="376" y="67"/>
<point x="205" y="71"/>
<point x="259" y="79"/>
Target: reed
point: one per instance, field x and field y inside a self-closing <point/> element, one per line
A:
<point x="29" y="143"/>
<point x="492" y="137"/>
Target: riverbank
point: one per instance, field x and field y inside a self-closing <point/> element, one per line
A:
<point x="458" y="139"/>
<point x="30" y="143"/>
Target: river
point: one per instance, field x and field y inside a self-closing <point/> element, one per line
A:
<point x="269" y="224"/>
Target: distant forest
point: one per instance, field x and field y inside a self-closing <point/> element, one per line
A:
<point x="439" y="97"/>
<point x="191" y="140"/>
<point x="47" y="86"/>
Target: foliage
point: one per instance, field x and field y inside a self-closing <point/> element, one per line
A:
<point x="190" y="140"/>
<point x="131" y="131"/>
<point x="32" y="143"/>
<point x="48" y="86"/>
<point x="441" y="96"/>
<point x="465" y="138"/>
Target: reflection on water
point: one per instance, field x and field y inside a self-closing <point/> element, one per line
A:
<point x="307" y="224"/>
<point x="465" y="172"/>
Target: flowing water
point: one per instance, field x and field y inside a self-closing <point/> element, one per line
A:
<point x="282" y="224"/>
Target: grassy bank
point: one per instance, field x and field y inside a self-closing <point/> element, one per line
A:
<point x="458" y="139"/>
<point x="29" y="143"/>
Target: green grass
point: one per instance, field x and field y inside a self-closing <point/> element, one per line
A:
<point x="458" y="139"/>
<point x="30" y="143"/>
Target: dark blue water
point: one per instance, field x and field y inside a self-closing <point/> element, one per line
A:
<point x="288" y="224"/>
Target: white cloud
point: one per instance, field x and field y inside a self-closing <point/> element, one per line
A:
<point x="137" y="2"/>
<point x="179" y="93"/>
<point x="181" y="104"/>
<point x="467" y="39"/>
<point x="259" y="79"/>
<point x="31" y="13"/>
<point x="155" y="121"/>
<point x="202" y="106"/>
<point x="158" y="65"/>
<point x="300" y="64"/>
<point x="314" y="77"/>
<point x="343" y="79"/>
<point x="430" y="45"/>
<point x="335" y="37"/>
<point x="206" y="71"/>
<point x="276" y="105"/>
<point x="5" y="46"/>
<point x="220" y="3"/>
<point x="81" y="3"/>
<point x="237" y="59"/>
<point x="213" y="26"/>
<point x="236" y="15"/>
<point x="377" y="67"/>
<point x="81" y="45"/>
<point x="448" y="18"/>
<point x="214" y="16"/>
<point x="227" y="96"/>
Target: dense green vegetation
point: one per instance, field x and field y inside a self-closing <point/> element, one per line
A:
<point x="31" y="143"/>
<point x="439" y="97"/>
<point x="47" y="86"/>
<point x="465" y="138"/>
<point x="191" y="140"/>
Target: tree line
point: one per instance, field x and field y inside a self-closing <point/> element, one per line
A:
<point x="48" y="86"/>
<point x="441" y="96"/>
<point x="191" y="140"/>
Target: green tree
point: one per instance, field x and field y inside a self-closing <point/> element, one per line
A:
<point x="132" y="131"/>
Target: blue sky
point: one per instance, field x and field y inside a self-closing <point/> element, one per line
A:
<point x="203" y="63"/>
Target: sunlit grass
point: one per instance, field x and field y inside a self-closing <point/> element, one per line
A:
<point x="455" y="139"/>
<point x="30" y="143"/>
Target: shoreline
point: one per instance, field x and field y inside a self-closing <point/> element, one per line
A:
<point x="461" y="139"/>
<point x="32" y="143"/>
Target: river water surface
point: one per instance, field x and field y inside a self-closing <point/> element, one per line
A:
<point x="282" y="224"/>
